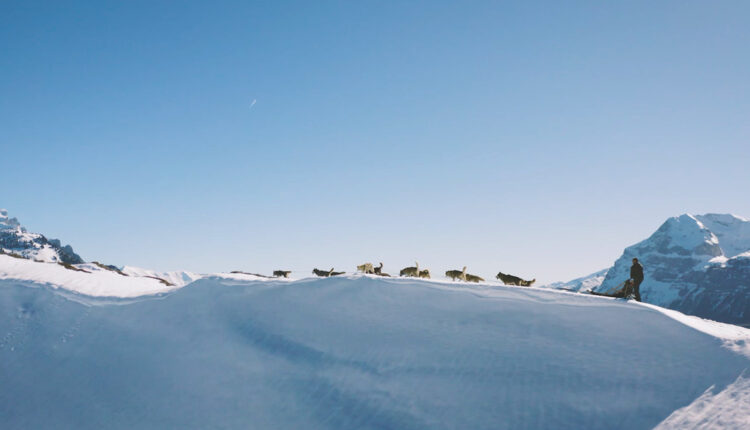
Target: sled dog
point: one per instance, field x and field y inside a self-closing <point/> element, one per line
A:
<point x="410" y="271"/>
<point x="456" y="274"/>
<point x="323" y="273"/>
<point x="366" y="268"/>
<point x="514" y="280"/>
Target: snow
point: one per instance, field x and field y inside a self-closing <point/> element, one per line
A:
<point x="735" y="337"/>
<point x="582" y="284"/>
<point x="98" y="283"/>
<point x="15" y="239"/>
<point x="686" y="232"/>
<point x="733" y="232"/>
<point x="177" y="278"/>
<point x="693" y="263"/>
<point x="727" y="409"/>
<point x="357" y="352"/>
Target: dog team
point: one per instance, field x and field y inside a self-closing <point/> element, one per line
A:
<point x="414" y="272"/>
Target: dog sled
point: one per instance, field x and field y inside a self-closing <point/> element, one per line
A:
<point x="625" y="290"/>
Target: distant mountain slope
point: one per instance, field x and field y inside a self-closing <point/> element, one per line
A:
<point x="15" y="239"/>
<point x="582" y="284"/>
<point x="176" y="278"/>
<point x="699" y="265"/>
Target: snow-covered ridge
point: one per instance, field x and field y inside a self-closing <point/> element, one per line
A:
<point x="90" y="279"/>
<point x="45" y="261"/>
<point x="357" y="352"/>
<point x="96" y="280"/>
<point x="15" y="239"/>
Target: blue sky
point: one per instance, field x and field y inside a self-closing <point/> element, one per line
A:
<point x="536" y="138"/>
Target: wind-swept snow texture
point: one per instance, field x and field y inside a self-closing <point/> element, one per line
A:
<point x="725" y="409"/>
<point x="345" y="353"/>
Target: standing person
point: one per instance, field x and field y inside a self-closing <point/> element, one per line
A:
<point x="636" y="274"/>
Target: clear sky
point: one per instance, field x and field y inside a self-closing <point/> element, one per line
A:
<point x="535" y="138"/>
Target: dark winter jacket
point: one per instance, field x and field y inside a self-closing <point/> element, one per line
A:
<point x="636" y="272"/>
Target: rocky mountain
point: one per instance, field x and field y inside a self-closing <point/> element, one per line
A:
<point x="697" y="264"/>
<point x="16" y="240"/>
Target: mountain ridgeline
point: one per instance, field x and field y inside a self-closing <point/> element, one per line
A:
<point x="696" y="264"/>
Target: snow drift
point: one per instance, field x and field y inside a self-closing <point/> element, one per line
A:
<point x="354" y="352"/>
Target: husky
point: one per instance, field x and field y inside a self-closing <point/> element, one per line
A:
<point x="281" y="273"/>
<point x="378" y="270"/>
<point x="473" y="278"/>
<point x="366" y="268"/>
<point x="424" y="273"/>
<point x="410" y="271"/>
<point x="323" y="273"/>
<point x="332" y="273"/>
<point x="456" y="274"/>
<point x="514" y="280"/>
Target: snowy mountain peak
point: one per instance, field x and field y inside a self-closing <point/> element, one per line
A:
<point x="732" y="232"/>
<point x="683" y="235"/>
<point x="17" y="240"/>
<point x="694" y="263"/>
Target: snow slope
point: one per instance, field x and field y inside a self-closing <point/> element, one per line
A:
<point x="712" y="410"/>
<point x="357" y="352"/>
<point x="97" y="282"/>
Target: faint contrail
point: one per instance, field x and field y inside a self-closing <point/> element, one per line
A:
<point x="253" y="103"/>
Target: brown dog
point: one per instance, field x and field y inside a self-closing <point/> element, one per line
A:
<point x="456" y="274"/>
<point x="410" y="271"/>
